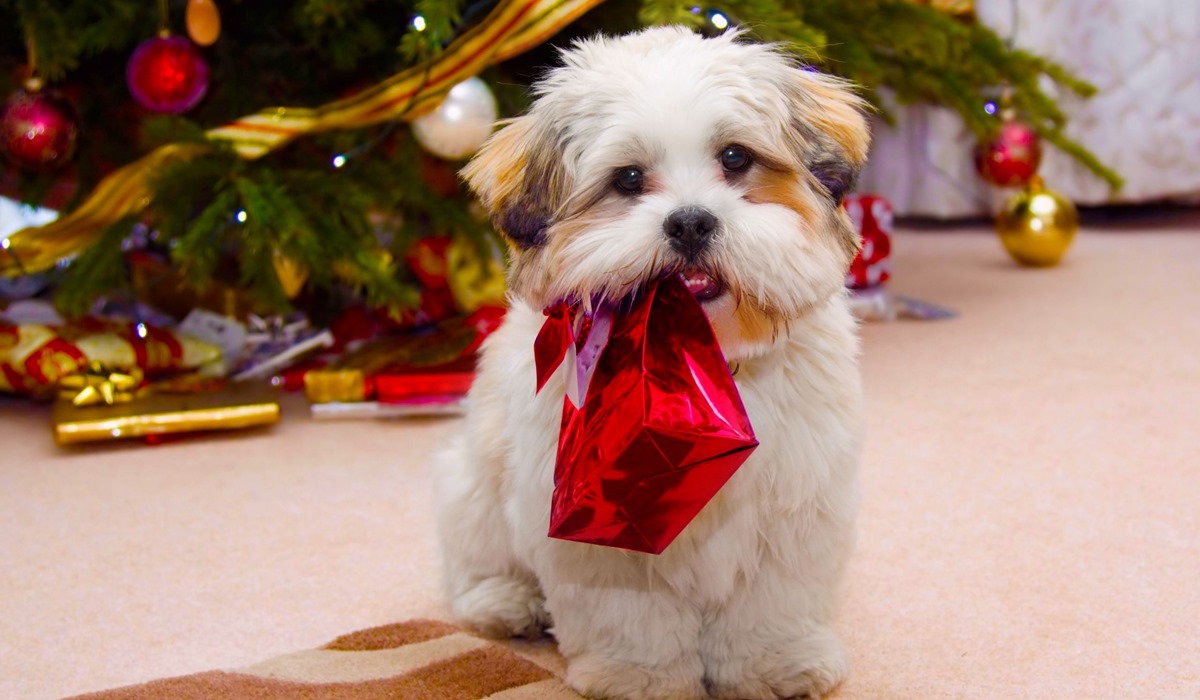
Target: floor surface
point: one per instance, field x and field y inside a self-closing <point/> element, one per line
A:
<point x="1031" y="527"/>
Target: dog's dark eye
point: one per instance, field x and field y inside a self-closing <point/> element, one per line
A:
<point x="629" y="180"/>
<point x="735" y="159"/>
<point x="836" y="176"/>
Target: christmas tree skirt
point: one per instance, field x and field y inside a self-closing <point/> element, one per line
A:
<point x="414" y="660"/>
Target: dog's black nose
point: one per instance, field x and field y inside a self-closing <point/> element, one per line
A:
<point x="690" y="229"/>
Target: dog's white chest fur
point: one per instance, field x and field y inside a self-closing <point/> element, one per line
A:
<point x="779" y="531"/>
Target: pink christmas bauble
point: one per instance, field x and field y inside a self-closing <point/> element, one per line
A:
<point x="167" y="74"/>
<point x="38" y="130"/>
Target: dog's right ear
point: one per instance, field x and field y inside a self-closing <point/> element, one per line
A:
<point x="519" y="176"/>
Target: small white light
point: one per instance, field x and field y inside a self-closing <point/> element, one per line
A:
<point x="419" y="23"/>
<point x="141" y="331"/>
<point x="719" y="20"/>
<point x="339" y="160"/>
<point x="5" y="243"/>
<point x="241" y="216"/>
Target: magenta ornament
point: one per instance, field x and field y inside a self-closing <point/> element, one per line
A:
<point x="38" y="130"/>
<point x="167" y="74"/>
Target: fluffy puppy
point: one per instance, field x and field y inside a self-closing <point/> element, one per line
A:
<point x="717" y="159"/>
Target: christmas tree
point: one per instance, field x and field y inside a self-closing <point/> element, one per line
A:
<point x="275" y="147"/>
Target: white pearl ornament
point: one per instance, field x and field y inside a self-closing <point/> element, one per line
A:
<point x="460" y="125"/>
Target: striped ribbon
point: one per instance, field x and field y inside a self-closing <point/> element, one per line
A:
<point x="513" y="27"/>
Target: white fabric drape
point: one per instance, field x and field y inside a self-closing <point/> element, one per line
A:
<point x="1143" y="55"/>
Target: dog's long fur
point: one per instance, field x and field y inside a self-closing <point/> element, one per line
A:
<point x="740" y="605"/>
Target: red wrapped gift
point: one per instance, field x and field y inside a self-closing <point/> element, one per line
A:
<point x="438" y="362"/>
<point x="872" y="217"/>
<point x="404" y="382"/>
<point x="659" y="426"/>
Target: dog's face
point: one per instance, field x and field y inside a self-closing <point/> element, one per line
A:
<point x="663" y="152"/>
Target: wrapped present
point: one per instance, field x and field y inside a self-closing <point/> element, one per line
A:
<point x="652" y="425"/>
<point x="35" y="357"/>
<point x="394" y="369"/>
<point x="434" y="363"/>
<point x="455" y="276"/>
<point x="476" y="276"/>
<point x="98" y="385"/>
<point x="423" y="407"/>
<point x="399" y="383"/>
<point x="274" y="343"/>
<point x="872" y="217"/>
<point x="166" y="410"/>
<point x="871" y="268"/>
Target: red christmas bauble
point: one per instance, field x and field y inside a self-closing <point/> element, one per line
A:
<point x="167" y="74"/>
<point x="38" y="130"/>
<point x="1011" y="157"/>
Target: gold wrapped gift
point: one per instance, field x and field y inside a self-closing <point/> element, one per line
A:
<point x="349" y="378"/>
<point x="233" y="407"/>
<point x="329" y="385"/>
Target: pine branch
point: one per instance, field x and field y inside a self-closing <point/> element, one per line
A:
<point x="1084" y="156"/>
<point x="312" y="51"/>
<point x="97" y="271"/>
<point x="923" y="55"/>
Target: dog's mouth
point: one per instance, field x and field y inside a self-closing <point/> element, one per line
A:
<point x="702" y="285"/>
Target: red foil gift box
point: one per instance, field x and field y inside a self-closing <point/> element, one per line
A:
<point x="872" y="217"/>
<point x="659" y="427"/>
<point x="400" y="383"/>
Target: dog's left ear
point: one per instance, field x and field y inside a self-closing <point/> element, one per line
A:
<point x="519" y="176"/>
<point x="834" y="134"/>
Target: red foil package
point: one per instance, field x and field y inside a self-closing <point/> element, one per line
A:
<point x="872" y="217"/>
<point x="652" y="425"/>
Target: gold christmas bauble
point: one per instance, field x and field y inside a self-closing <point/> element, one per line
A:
<point x="203" y="21"/>
<point x="1037" y="225"/>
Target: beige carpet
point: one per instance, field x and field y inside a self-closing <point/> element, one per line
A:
<point x="1031" y="526"/>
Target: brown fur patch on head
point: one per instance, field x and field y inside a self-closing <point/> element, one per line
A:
<point x="795" y="191"/>
<point x="519" y="176"/>
<point x="829" y="105"/>
<point x="828" y="134"/>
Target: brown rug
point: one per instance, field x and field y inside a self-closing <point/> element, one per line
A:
<point x="415" y="660"/>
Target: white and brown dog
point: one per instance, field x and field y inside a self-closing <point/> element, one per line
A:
<point x="717" y="159"/>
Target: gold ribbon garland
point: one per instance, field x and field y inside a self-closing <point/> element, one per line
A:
<point x="513" y="27"/>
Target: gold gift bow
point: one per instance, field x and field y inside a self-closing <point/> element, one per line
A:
<point x="100" y="384"/>
<point x="96" y="384"/>
<point x="513" y="27"/>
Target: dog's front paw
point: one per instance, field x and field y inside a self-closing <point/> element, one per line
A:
<point x="503" y="606"/>
<point x="807" y="667"/>
<point x="604" y="679"/>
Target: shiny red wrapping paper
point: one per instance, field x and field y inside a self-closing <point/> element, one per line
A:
<point x="660" y="428"/>
<point x="403" y="383"/>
